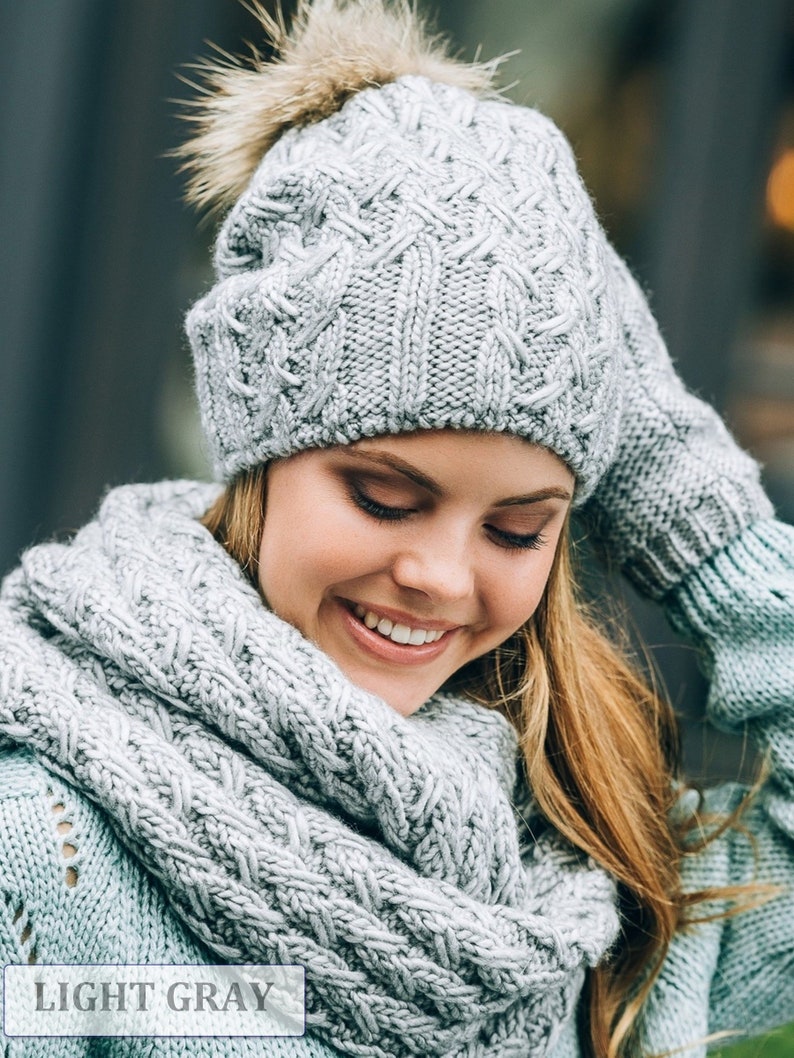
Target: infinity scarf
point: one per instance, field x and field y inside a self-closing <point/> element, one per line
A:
<point x="289" y="816"/>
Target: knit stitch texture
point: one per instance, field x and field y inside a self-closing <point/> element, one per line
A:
<point x="240" y="766"/>
<point x="727" y="974"/>
<point x="679" y="488"/>
<point x="730" y="974"/>
<point x="426" y="259"/>
<point x="420" y="259"/>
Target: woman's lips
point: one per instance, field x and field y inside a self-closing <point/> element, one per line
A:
<point x="399" y="632"/>
<point x="401" y="617"/>
<point x="379" y="646"/>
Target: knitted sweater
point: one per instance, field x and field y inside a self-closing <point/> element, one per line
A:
<point x="71" y="893"/>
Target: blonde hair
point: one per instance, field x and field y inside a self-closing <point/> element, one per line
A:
<point x="601" y="753"/>
<point x="600" y="748"/>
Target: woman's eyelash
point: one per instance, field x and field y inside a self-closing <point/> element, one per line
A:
<point x="384" y="513"/>
<point x="378" y="510"/>
<point x="517" y="541"/>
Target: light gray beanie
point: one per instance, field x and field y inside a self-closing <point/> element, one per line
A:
<point x="418" y="258"/>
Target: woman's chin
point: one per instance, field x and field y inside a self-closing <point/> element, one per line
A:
<point x="403" y="676"/>
<point x="404" y="700"/>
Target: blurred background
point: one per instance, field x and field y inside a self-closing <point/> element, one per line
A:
<point x="682" y="117"/>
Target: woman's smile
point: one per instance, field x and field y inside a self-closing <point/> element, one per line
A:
<point x="393" y="636"/>
<point x="433" y="548"/>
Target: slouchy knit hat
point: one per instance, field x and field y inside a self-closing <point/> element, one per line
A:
<point x="408" y="254"/>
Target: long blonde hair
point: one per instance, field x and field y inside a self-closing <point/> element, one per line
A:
<point x="601" y="754"/>
<point x="601" y="750"/>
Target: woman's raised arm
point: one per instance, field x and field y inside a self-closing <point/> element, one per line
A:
<point x="738" y="608"/>
<point x="679" y="488"/>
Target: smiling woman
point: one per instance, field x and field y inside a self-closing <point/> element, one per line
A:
<point x="423" y="533"/>
<point x="344" y="710"/>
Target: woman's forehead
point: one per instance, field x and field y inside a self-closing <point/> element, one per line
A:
<point x="439" y="459"/>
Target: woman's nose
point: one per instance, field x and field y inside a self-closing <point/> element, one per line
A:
<point x="441" y="568"/>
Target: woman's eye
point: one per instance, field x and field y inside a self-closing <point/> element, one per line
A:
<point x="516" y="541"/>
<point x="385" y="512"/>
<point x="377" y="510"/>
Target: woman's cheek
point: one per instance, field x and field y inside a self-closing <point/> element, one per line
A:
<point x="526" y="593"/>
<point x="344" y="552"/>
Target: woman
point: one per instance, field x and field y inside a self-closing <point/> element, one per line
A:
<point x="346" y="712"/>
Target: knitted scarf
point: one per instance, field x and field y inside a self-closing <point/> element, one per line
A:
<point x="289" y="816"/>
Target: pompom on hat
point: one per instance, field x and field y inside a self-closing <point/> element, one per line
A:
<point x="405" y="251"/>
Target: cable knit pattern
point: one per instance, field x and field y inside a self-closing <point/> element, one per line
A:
<point x="140" y="664"/>
<point x="202" y="791"/>
<point x="426" y="259"/>
<point x="420" y="259"/>
<point x="109" y="911"/>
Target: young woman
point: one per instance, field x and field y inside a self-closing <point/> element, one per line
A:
<point x="345" y="711"/>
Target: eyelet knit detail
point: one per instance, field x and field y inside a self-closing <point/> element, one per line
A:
<point x="68" y="849"/>
<point x="115" y="914"/>
<point x="22" y="927"/>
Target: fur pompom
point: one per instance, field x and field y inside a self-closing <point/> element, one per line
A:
<point x="331" y="50"/>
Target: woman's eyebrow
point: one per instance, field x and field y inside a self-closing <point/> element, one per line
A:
<point x="401" y="467"/>
<point x="557" y="492"/>
<point x="551" y="492"/>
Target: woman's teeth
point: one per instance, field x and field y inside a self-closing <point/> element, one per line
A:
<point x="414" y="637"/>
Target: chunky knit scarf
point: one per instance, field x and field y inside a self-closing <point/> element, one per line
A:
<point x="289" y="816"/>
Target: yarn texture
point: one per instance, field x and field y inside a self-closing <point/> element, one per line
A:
<point x="396" y="855"/>
<point x="289" y="816"/>
<point x="185" y="778"/>
<point x="70" y="893"/>
<point x="407" y="251"/>
<point x="679" y="489"/>
<point x="421" y="259"/>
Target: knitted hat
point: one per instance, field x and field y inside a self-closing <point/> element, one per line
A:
<point x="406" y="255"/>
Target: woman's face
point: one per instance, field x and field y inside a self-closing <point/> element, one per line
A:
<point x="406" y="557"/>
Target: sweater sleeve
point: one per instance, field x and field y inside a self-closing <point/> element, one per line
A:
<point x="38" y="861"/>
<point x="69" y="893"/>
<point x="738" y="607"/>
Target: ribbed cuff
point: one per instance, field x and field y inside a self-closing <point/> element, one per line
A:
<point x="658" y="563"/>
<point x="738" y="606"/>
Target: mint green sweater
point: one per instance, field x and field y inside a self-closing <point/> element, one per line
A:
<point x="70" y="893"/>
